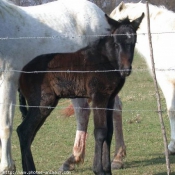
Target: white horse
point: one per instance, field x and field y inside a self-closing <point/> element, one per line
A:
<point x="25" y="32"/>
<point x="162" y="23"/>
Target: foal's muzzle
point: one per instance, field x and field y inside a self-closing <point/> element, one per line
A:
<point x="125" y="72"/>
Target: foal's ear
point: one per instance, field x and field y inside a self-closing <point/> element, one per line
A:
<point x="113" y="23"/>
<point x="137" y="21"/>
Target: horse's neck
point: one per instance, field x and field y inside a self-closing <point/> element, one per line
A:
<point x="95" y="56"/>
<point x="161" y="19"/>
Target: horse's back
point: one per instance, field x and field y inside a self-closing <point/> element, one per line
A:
<point x="66" y="17"/>
<point x="60" y="26"/>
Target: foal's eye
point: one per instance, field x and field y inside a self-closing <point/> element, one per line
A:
<point x="116" y="45"/>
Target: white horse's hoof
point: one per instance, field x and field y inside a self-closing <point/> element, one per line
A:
<point x="170" y="153"/>
<point x="8" y="170"/>
<point x="171" y="147"/>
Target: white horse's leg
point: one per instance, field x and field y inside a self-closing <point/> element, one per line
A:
<point x="120" y="148"/>
<point x="168" y="89"/>
<point x="8" y="98"/>
<point x="82" y="113"/>
<point x="0" y="104"/>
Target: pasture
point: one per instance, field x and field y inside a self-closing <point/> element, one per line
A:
<point x="142" y="133"/>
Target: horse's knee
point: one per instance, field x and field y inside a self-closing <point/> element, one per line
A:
<point x="20" y="133"/>
<point x="82" y="112"/>
<point x="81" y="107"/>
<point x="23" y="136"/>
<point x="5" y="133"/>
<point x="100" y="134"/>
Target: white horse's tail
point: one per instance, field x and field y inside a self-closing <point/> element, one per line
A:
<point x="22" y="105"/>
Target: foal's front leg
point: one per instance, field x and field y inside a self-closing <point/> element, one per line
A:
<point x="107" y="142"/>
<point x="101" y="156"/>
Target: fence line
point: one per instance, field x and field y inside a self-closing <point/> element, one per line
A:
<point x="78" y="71"/>
<point x="159" y="106"/>
<point x="74" y="36"/>
<point x="59" y="107"/>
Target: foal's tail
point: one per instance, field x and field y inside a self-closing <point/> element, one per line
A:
<point x="22" y="105"/>
<point x="68" y="111"/>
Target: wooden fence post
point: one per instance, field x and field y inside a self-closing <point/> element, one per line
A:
<point x="158" y="94"/>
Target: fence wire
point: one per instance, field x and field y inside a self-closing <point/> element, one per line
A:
<point x="4" y="71"/>
<point x="91" y="108"/>
<point x="73" y="36"/>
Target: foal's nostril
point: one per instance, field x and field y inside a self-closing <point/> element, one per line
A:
<point x="125" y="72"/>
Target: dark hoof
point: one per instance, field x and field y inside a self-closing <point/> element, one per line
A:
<point x="67" y="167"/>
<point x="108" y="173"/>
<point x="115" y="165"/>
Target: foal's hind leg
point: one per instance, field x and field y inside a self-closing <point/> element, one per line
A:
<point x="28" y="129"/>
<point x="26" y="132"/>
<point x="82" y="112"/>
<point x="120" y="148"/>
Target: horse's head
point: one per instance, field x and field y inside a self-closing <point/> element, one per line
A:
<point x="130" y="10"/>
<point x="124" y="39"/>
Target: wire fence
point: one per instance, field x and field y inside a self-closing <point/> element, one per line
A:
<point x="135" y="70"/>
<point x="107" y="6"/>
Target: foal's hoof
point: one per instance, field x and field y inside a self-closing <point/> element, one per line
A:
<point x="67" y="167"/>
<point x="115" y="165"/>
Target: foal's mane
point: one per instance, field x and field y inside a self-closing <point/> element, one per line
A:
<point x="125" y="21"/>
<point x="93" y="47"/>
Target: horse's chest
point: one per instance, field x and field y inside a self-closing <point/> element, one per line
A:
<point x="104" y="83"/>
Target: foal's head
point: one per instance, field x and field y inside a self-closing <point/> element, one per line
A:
<point x="121" y="47"/>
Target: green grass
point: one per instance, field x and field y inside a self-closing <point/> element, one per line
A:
<point x="142" y="132"/>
